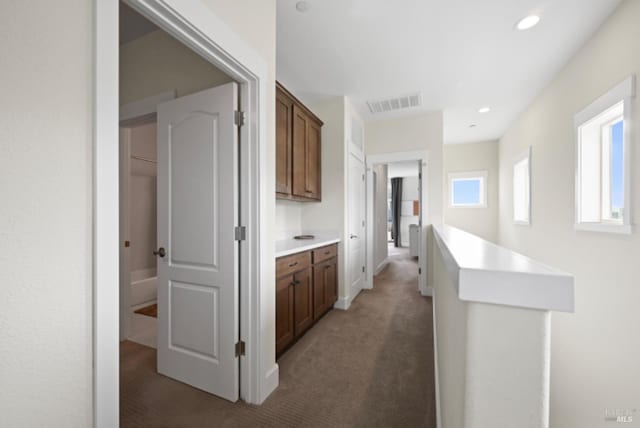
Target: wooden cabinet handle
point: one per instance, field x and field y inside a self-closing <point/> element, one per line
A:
<point x="327" y="267"/>
<point x="293" y="264"/>
<point x="326" y="253"/>
<point x="295" y="282"/>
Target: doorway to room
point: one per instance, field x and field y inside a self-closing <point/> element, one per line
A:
<point x="396" y="195"/>
<point x="178" y="208"/>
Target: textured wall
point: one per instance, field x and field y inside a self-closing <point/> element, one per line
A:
<point x="45" y="213"/>
<point x="594" y="351"/>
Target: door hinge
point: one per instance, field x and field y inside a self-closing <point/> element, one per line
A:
<point x="238" y="118"/>
<point x="362" y="177"/>
<point x="420" y="175"/>
<point x="362" y="269"/>
<point x="241" y="233"/>
<point x="240" y="348"/>
<point x="419" y="271"/>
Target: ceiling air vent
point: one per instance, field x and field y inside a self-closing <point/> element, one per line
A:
<point x="397" y="103"/>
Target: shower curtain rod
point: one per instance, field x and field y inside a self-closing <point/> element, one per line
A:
<point x="144" y="159"/>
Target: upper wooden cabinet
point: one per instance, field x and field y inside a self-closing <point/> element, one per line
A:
<point x="298" y="149"/>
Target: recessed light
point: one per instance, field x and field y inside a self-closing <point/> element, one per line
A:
<point x="302" y="6"/>
<point x="484" y="110"/>
<point x="528" y="22"/>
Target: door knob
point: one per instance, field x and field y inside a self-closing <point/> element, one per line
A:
<point x="161" y="252"/>
<point x="353" y="236"/>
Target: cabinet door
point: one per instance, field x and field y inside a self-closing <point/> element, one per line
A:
<point x="331" y="282"/>
<point x="284" y="313"/>
<point x="284" y="114"/>
<point x="303" y="305"/>
<point x="319" y="290"/>
<point x="300" y="141"/>
<point x="313" y="161"/>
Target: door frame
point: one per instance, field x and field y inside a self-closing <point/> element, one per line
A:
<point x="421" y="156"/>
<point x="201" y="30"/>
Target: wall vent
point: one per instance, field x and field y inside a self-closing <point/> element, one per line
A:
<point x="397" y="103"/>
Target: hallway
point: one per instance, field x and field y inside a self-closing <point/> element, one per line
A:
<point x="369" y="366"/>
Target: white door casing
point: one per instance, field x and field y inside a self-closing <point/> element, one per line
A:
<point x="197" y="212"/>
<point x="356" y="215"/>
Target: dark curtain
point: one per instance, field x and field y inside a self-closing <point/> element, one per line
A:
<point x="396" y="209"/>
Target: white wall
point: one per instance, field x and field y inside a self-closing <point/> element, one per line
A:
<point x="45" y="213"/>
<point x="380" y="219"/>
<point x="421" y="132"/>
<point x="156" y="63"/>
<point x="594" y="352"/>
<point x="481" y="156"/>
<point x="288" y="219"/>
<point x="488" y="375"/>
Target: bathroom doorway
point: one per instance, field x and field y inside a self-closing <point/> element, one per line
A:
<point x="138" y="206"/>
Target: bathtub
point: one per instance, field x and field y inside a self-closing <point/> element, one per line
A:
<point x="143" y="287"/>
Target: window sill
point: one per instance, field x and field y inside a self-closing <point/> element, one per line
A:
<point x="468" y="206"/>
<point x="622" y="229"/>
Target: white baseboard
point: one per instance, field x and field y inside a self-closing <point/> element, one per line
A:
<point x="381" y="266"/>
<point x="428" y="292"/>
<point x="270" y="384"/>
<point x="343" y="303"/>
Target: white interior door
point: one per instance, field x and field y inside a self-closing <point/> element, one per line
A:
<point x="197" y="213"/>
<point x="356" y="243"/>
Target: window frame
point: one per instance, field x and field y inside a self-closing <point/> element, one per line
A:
<point x="526" y="155"/>
<point x="623" y="93"/>
<point x="469" y="175"/>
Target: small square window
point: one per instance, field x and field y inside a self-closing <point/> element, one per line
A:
<point x="468" y="189"/>
<point x="522" y="188"/>
<point x="602" y="164"/>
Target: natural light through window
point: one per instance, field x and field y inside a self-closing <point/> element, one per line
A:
<point x="468" y="189"/>
<point x="602" y="199"/>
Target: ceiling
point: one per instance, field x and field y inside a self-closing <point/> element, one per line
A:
<point x="133" y="25"/>
<point x="461" y="55"/>
<point x="403" y="169"/>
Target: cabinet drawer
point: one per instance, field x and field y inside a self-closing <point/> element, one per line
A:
<point x="325" y="253"/>
<point x="293" y="263"/>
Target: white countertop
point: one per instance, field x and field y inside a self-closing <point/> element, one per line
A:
<point x="286" y="247"/>
<point x="485" y="272"/>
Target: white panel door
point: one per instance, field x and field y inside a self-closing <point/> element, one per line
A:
<point x="356" y="206"/>
<point x="197" y="213"/>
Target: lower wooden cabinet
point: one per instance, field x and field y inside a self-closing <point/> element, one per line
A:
<point x="306" y="289"/>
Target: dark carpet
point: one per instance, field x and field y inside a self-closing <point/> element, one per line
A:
<point x="370" y="366"/>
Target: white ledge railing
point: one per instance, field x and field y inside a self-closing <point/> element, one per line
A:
<point x="492" y="331"/>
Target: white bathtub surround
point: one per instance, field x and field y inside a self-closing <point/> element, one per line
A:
<point x="285" y="247"/>
<point x="492" y="324"/>
<point x="143" y="287"/>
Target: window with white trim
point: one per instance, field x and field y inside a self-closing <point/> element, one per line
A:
<point x="468" y="189"/>
<point x="522" y="188"/>
<point x="602" y="162"/>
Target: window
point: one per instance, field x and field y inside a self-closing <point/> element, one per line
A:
<point x="522" y="188"/>
<point x="468" y="189"/>
<point x="602" y="163"/>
